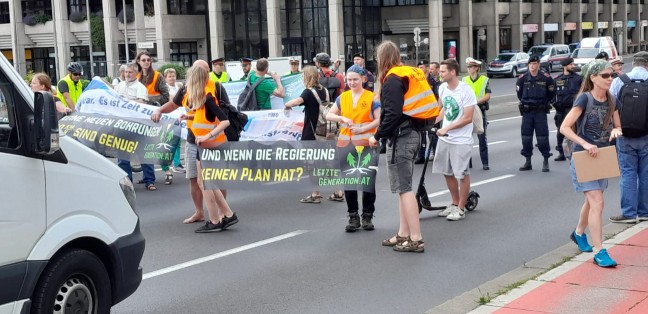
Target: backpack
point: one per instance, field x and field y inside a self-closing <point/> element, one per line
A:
<point x="331" y="83"/>
<point x="568" y="145"/>
<point x="634" y="107"/>
<point x="247" y="100"/>
<point x="324" y="127"/>
<point x="478" y="121"/>
<point x="237" y="120"/>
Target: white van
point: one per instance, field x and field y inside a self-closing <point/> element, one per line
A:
<point x="70" y="240"/>
<point x="551" y="55"/>
<point x="590" y="47"/>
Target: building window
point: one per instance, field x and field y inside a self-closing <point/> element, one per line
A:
<point x="184" y="52"/>
<point x="305" y="28"/>
<point x="4" y="13"/>
<point x="36" y="7"/>
<point x="187" y="7"/>
<point x="388" y="3"/>
<point x="362" y="30"/>
<point x="246" y="29"/>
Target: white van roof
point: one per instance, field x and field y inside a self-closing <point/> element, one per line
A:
<point x="597" y="42"/>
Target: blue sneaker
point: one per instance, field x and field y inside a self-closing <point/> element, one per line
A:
<point x="603" y="259"/>
<point x="581" y="241"/>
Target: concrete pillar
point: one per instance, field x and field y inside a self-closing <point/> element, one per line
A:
<point x="161" y="39"/>
<point x="558" y="16"/>
<point x="575" y="16"/>
<point x="336" y="26"/>
<point x="113" y="37"/>
<point x="514" y="19"/>
<point x="537" y="17"/>
<point x="492" y="33"/>
<point x="62" y="29"/>
<point x="216" y="29"/>
<point x="274" y="28"/>
<point x="435" y="21"/>
<point x="140" y="27"/>
<point x="634" y="15"/>
<point x="18" y="37"/>
<point x="465" y="33"/>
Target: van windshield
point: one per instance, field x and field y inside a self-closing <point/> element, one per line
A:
<point x="585" y="53"/>
<point x="539" y="51"/>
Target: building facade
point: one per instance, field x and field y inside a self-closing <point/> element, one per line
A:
<point x="45" y="35"/>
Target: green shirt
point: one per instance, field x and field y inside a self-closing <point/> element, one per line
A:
<point x="263" y="91"/>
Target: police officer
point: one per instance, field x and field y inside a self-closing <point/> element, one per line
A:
<point x="369" y="79"/>
<point x="246" y="64"/>
<point x="567" y="85"/>
<point x="479" y="85"/>
<point x="218" y="74"/>
<point x="535" y="90"/>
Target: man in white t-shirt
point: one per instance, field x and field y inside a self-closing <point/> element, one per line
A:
<point x="454" y="148"/>
<point x="131" y="88"/>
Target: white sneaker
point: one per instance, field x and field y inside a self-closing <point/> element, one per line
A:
<point x="447" y="210"/>
<point x="431" y="158"/>
<point x="456" y="214"/>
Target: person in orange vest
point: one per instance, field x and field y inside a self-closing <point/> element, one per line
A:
<point x="405" y="99"/>
<point x="359" y="116"/>
<point x="211" y="121"/>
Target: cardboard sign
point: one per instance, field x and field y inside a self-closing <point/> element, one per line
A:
<point x="604" y="166"/>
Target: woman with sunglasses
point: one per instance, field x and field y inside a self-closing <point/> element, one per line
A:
<point x="70" y="87"/>
<point x="597" y="123"/>
<point x="156" y="86"/>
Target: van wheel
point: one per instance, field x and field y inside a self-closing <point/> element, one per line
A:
<point x="514" y="72"/>
<point x="74" y="281"/>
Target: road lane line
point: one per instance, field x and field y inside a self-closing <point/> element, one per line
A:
<point x="478" y="183"/>
<point x="505" y="95"/>
<point x="222" y="254"/>
<point x="504" y="119"/>
<point x="492" y="143"/>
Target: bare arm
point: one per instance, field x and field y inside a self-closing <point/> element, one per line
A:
<point x="295" y="102"/>
<point x="279" y="91"/>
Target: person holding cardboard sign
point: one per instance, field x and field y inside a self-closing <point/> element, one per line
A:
<point x="597" y="123"/>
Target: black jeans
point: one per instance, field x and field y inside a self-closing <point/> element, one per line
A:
<point x="535" y="120"/>
<point x="483" y="141"/>
<point x="559" y="117"/>
<point x="368" y="200"/>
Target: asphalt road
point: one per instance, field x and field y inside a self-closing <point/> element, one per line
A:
<point x="288" y="257"/>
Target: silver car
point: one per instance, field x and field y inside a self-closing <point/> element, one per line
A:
<point x="508" y="63"/>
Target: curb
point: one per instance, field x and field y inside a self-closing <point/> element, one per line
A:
<point x="469" y="300"/>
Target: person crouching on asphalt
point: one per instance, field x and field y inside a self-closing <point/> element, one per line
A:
<point x="359" y="116"/>
<point x="454" y="148"/>
<point x="597" y="123"/>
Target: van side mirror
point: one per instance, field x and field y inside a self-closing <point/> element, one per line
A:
<point x="45" y="125"/>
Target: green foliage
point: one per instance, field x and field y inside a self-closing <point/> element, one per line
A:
<point x="85" y="83"/>
<point x="181" y="71"/>
<point x="97" y="29"/>
<point x="77" y="17"/>
<point x="28" y="77"/>
<point x="42" y="18"/>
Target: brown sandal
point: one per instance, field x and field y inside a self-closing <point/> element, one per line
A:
<point x="410" y="246"/>
<point x="399" y="240"/>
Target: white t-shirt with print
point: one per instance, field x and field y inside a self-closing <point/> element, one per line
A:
<point x="454" y="102"/>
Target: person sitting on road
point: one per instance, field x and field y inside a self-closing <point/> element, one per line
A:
<point x="359" y="116"/>
<point x="597" y="121"/>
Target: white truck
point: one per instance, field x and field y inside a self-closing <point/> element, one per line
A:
<point x="590" y="47"/>
<point x="70" y="240"/>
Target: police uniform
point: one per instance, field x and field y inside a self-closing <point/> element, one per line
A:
<point x="480" y="88"/>
<point x="535" y="93"/>
<point x="222" y="77"/>
<point x="371" y="78"/>
<point x="244" y="61"/>
<point x="567" y="87"/>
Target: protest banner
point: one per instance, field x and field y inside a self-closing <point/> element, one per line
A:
<point x="125" y="138"/>
<point x="281" y="165"/>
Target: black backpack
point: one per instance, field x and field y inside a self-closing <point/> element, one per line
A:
<point x="247" y="100"/>
<point x="634" y="107"/>
<point x="331" y="83"/>
<point x="237" y="120"/>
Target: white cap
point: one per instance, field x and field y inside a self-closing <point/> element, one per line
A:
<point x="472" y="61"/>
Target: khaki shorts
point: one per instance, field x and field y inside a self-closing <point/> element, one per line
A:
<point x="400" y="170"/>
<point x="452" y="159"/>
<point x="191" y="153"/>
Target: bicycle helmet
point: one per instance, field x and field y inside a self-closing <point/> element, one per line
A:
<point x="75" y="67"/>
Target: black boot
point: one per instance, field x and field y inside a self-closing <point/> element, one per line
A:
<point x="527" y="165"/>
<point x="354" y="222"/>
<point x="560" y="157"/>
<point x="366" y="222"/>
<point x="545" y="165"/>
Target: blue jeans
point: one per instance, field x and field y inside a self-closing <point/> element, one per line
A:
<point x="633" y="161"/>
<point x="147" y="170"/>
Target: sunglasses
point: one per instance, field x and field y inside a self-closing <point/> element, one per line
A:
<point x="608" y="75"/>
<point x="76" y="74"/>
<point x="145" y="60"/>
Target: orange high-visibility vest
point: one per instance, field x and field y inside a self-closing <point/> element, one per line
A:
<point x="210" y="88"/>
<point x="201" y="126"/>
<point x="419" y="99"/>
<point x="151" y="89"/>
<point x="361" y="114"/>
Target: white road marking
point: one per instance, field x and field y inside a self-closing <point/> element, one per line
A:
<point x="491" y="143"/>
<point x="478" y="183"/>
<point x="504" y="119"/>
<point x="505" y="95"/>
<point x="222" y="254"/>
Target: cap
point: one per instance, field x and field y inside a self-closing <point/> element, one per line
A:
<point x="602" y="55"/>
<point x="359" y="55"/>
<point x="471" y="61"/>
<point x="293" y="60"/>
<point x="534" y="58"/>
<point x="567" y="61"/>
<point x="641" y="56"/>
<point x="424" y="62"/>
<point x="246" y="60"/>
<point x="617" y="60"/>
<point x="323" y="58"/>
<point x="218" y="60"/>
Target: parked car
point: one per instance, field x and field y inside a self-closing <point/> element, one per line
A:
<point x="509" y="63"/>
<point x="550" y="55"/>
